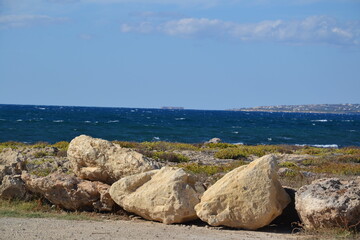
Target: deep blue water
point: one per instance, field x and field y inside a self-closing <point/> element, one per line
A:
<point x="31" y="124"/>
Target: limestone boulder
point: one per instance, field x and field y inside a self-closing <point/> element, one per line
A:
<point x="70" y="192"/>
<point x="100" y="160"/>
<point x="167" y="195"/>
<point x="11" y="162"/>
<point x="329" y="202"/>
<point x="248" y="197"/>
<point x="12" y="187"/>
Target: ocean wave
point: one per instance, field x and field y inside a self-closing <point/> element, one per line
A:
<point x="2" y="119"/>
<point x="113" y="121"/>
<point x="179" y="119"/>
<point x="156" y="138"/>
<point x="319" y="145"/>
<point x="321" y="120"/>
<point x="347" y="120"/>
<point x="87" y="121"/>
<point x="238" y="143"/>
<point x="58" y="121"/>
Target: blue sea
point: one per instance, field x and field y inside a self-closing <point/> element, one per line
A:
<point x="30" y="124"/>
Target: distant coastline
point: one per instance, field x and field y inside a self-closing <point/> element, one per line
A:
<point x="309" y="108"/>
<point x="173" y="108"/>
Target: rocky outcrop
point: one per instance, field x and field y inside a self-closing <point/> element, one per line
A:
<point x="329" y="202"/>
<point x="70" y="192"/>
<point x="100" y="160"/>
<point x="167" y="195"/>
<point x="11" y="162"/>
<point x="248" y="197"/>
<point x="12" y="187"/>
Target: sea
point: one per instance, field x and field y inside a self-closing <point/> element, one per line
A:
<point x="31" y="124"/>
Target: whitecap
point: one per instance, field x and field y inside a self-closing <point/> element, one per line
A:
<point x="156" y="138"/>
<point x="87" y="121"/>
<point x="235" y="132"/>
<point x="113" y="121"/>
<point x="19" y="120"/>
<point x="179" y="119"/>
<point x="326" y="145"/>
<point x="269" y="139"/>
<point x="239" y="143"/>
<point x="321" y="120"/>
<point x="347" y="120"/>
<point x="58" y="121"/>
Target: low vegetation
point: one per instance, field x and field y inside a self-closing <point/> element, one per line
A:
<point x="41" y="208"/>
<point x="211" y="169"/>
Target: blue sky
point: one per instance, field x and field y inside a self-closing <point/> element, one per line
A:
<point x="198" y="54"/>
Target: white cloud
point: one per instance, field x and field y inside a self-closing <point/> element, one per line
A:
<point x="9" y="21"/>
<point x="315" y="29"/>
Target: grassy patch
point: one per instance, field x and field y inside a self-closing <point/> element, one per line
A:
<point x="37" y="209"/>
<point x="336" y="168"/>
<point x="210" y="169"/>
<point x="63" y="145"/>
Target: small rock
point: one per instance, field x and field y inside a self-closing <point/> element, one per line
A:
<point x="12" y="187"/>
<point x="214" y="140"/>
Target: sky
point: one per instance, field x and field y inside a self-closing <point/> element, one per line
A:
<point x="197" y="54"/>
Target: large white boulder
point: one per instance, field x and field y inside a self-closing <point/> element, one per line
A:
<point x="248" y="197"/>
<point x="329" y="202"/>
<point x="167" y="195"/>
<point x="100" y="160"/>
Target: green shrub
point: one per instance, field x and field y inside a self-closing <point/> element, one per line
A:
<point x="63" y="145"/>
<point x="41" y="154"/>
<point x="210" y="169"/>
<point x="40" y="145"/>
<point x="219" y="145"/>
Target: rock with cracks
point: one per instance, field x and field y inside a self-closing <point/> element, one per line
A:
<point x="167" y="195"/>
<point x="100" y="160"/>
<point x="70" y="192"/>
<point x="248" y="197"/>
<point x="327" y="203"/>
<point x="12" y="187"/>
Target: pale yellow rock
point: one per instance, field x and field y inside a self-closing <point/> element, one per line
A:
<point x="248" y="197"/>
<point x="167" y="195"/>
<point x="100" y="160"/>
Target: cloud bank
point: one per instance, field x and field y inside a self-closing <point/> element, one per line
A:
<point x="10" y="21"/>
<point x="314" y="29"/>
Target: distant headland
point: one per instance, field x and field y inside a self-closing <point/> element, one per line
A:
<point x="173" y="108"/>
<point x="309" y="108"/>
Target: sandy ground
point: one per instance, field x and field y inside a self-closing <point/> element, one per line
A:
<point x="40" y="228"/>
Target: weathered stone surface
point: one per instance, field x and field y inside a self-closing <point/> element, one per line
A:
<point x="167" y="195"/>
<point x="248" y="197"/>
<point x="100" y="160"/>
<point x="12" y="187"/>
<point x="11" y="162"/>
<point x="70" y="192"/>
<point x="329" y="203"/>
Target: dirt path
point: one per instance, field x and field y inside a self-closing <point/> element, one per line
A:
<point x="40" y="228"/>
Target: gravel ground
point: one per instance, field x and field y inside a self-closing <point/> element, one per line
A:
<point x="41" y="228"/>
